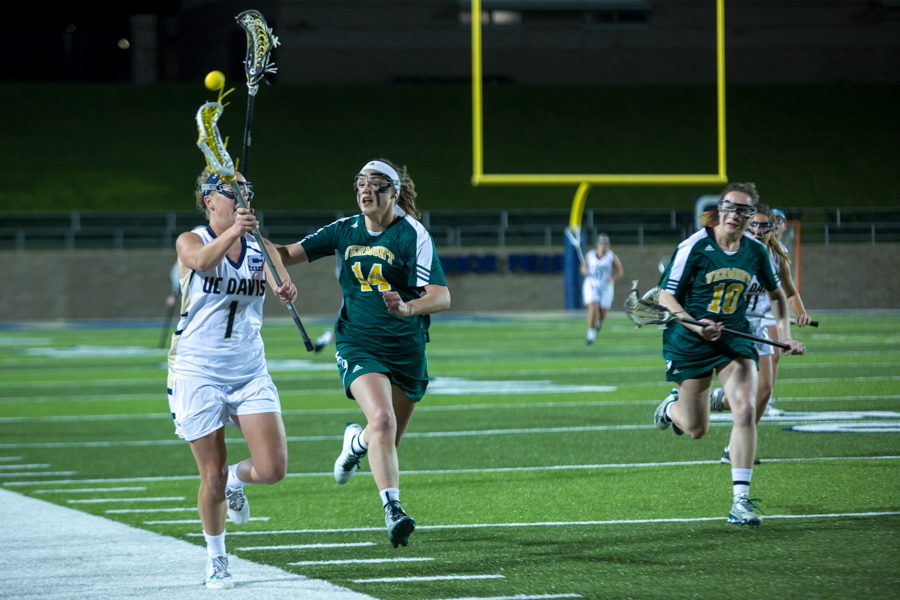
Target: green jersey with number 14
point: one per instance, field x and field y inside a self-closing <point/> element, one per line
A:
<point x="401" y="258"/>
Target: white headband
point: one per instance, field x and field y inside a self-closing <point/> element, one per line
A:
<point x="383" y="167"/>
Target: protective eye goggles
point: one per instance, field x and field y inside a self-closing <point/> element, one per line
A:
<point x="743" y="210"/>
<point x="226" y="190"/>
<point x="382" y="183"/>
<point x="762" y="226"/>
<point x="779" y="216"/>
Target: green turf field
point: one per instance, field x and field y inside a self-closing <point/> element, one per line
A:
<point x="532" y="466"/>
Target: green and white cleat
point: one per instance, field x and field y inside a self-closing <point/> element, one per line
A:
<point x="348" y="461"/>
<point x="660" y="419"/>
<point x="742" y="511"/>
<point x="217" y="575"/>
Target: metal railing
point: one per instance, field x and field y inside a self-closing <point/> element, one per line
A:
<point x="121" y="230"/>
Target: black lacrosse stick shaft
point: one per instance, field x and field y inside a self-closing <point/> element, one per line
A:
<point x="733" y="332"/>
<point x="248" y="128"/>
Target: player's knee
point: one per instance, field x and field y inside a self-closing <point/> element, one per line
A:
<point x="215" y="477"/>
<point x="272" y="473"/>
<point x="744" y="415"/>
<point x="383" y="425"/>
<point x="697" y="431"/>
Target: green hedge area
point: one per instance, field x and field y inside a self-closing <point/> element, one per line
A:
<point x="118" y="147"/>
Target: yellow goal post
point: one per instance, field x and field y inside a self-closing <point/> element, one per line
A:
<point x="585" y="181"/>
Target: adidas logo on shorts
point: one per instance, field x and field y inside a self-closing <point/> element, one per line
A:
<point x="356" y="368"/>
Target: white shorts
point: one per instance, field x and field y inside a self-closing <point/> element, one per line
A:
<point x="594" y="293"/>
<point x="200" y="407"/>
<point x="763" y="349"/>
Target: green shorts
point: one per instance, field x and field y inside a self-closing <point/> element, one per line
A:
<point x="409" y="372"/>
<point x="688" y="356"/>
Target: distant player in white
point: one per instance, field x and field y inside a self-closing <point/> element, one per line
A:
<point x="217" y="363"/>
<point x="600" y="269"/>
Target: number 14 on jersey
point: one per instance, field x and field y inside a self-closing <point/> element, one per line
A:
<point x="375" y="278"/>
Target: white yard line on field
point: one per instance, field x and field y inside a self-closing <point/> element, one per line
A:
<point x="356" y="561"/>
<point x="430" y="408"/>
<point x="9" y="458"/>
<point x="426" y="578"/>
<point x="192" y="521"/>
<point x="106" y="500"/>
<point x="5" y="475"/>
<point x="43" y="466"/>
<point x="90" y="490"/>
<point x="444" y="472"/>
<point x="122" y="511"/>
<point x="560" y="523"/>
<point x="519" y="597"/>
<point x="100" y="558"/>
<point x="307" y="546"/>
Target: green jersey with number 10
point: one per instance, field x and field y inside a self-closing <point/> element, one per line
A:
<point x="712" y="284"/>
<point x="401" y="258"/>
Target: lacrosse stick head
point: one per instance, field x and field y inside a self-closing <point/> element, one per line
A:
<point x="260" y="42"/>
<point x="211" y="144"/>
<point x="645" y="311"/>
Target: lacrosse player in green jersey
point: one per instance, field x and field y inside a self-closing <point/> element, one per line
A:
<point x="392" y="281"/>
<point x="706" y="281"/>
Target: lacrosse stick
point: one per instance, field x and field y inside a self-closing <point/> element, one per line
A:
<point x="644" y="312"/>
<point x="772" y="317"/>
<point x="260" y="43"/>
<point x="210" y="142"/>
<point x="573" y="237"/>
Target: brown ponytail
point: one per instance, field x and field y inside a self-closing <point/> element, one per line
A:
<point x="407" y="198"/>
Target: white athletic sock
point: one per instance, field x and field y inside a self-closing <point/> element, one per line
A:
<point x="591" y="334"/>
<point x="741" y="480"/>
<point x="234" y="481"/>
<point x="325" y="339"/>
<point x="215" y="544"/>
<point x="389" y="495"/>
<point x="669" y="411"/>
<point x="358" y="445"/>
<point x="728" y="448"/>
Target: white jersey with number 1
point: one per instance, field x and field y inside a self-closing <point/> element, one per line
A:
<point x="217" y="339"/>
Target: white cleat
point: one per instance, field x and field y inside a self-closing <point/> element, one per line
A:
<point x="217" y="575"/>
<point x="238" y="507"/>
<point x="347" y="463"/>
<point x="742" y="511"/>
<point x="717" y="400"/>
<point x="771" y="411"/>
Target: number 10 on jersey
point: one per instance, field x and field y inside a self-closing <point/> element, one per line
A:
<point x="375" y="278"/>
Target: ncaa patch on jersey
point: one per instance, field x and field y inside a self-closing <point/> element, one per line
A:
<point x="255" y="262"/>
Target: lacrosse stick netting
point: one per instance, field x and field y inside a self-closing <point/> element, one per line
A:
<point x="645" y="311"/>
<point x="219" y="162"/>
<point x="260" y="42"/>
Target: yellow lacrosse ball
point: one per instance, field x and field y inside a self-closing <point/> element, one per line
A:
<point x="214" y="81"/>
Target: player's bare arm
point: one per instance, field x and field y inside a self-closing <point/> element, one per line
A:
<point x="198" y="256"/>
<point x="779" y="310"/>
<point x="436" y="299"/>
<point x="711" y="332"/>
<point x="793" y="296"/>
<point x="286" y="292"/>
<point x="618" y="271"/>
<point x="292" y="254"/>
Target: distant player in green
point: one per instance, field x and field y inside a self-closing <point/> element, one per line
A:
<point x="392" y="280"/>
<point x="706" y="281"/>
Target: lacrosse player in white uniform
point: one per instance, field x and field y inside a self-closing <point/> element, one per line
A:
<point x="600" y="269"/>
<point x="217" y="364"/>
